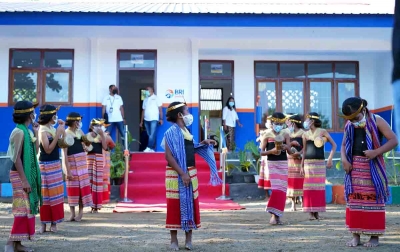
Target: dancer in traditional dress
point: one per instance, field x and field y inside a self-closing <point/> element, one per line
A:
<point x="313" y="165"/>
<point x="52" y="210"/>
<point x="24" y="176"/>
<point x="181" y="176"/>
<point x="366" y="183"/>
<point x="295" y="178"/>
<point x="76" y="168"/>
<point x="107" y="165"/>
<point x="263" y="182"/>
<point x="95" y="161"/>
<point x="277" y="165"/>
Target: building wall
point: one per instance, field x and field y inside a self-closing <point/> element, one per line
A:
<point x="95" y="68"/>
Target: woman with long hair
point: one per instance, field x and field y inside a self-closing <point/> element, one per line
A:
<point x="76" y="168"/>
<point x="295" y="178"/>
<point x="95" y="161"/>
<point x="24" y="176"/>
<point x="313" y="165"/>
<point x="277" y="165"/>
<point x="52" y="210"/>
<point x="229" y="120"/>
<point x="366" y="183"/>
<point x="183" y="210"/>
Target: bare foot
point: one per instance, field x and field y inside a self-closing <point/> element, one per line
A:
<point x="53" y="228"/>
<point x="42" y="229"/>
<point x="273" y="220"/>
<point x="174" y="246"/>
<point x="373" y="242"/>
<point x="354" y="242"/>
<point x="72" y="218"/>
<point x="188" y="242"/>
<point x="21" y="248"/>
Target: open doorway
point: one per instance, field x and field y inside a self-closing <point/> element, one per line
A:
<point x="136" y="72"/>
<point x="132" y="84"/>
<point x="216" y="85"/>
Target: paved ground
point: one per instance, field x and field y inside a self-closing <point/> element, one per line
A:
<point x="245" y="230"/>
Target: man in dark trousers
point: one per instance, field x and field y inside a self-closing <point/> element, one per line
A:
<point x="396" y="65"/>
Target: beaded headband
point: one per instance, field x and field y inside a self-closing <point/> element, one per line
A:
<point x="313" y="117"/>
<point x="78" y="118"/>
<point x="50" y="112"/>
<point x="95" y="121"/>
<point x="23" y="111"/>
<point x="175" y="107"/>
<point x="278" y="120"/>
<point x="352" y="116"/>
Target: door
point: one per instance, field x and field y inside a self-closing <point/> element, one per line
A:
<point x="213" y="97"/>
<point x="215" y="87"/>
<point x="132" y="84"/>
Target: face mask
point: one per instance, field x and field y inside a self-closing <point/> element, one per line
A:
<point x="277" y="128"/>
<point x="55" y="121"/>
<point x="147" y="93"/>
<point x="96" y="128"/>
<point x="291" y="129"/>
<point x="231" y="103"/>
<point x="103" y="128"/>
<point x="188" y="120"/>
<point x="306" y="125"/>
<point x="360" y="123"/>
<point x="268" y="125"/>
<point x="115" y="91"/>
<point x="80" y="125"/>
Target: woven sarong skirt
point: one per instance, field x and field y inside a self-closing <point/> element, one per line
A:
<point x="363" y="214"/>
<point x="278" y="175"/>
<point x="52" y="210"/>
<point x="314" y="185"/>
<point x="173" y="221"/>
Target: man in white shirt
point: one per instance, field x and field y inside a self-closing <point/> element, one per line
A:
<point x="152" y="116"/>
<point x="113" y="109"/>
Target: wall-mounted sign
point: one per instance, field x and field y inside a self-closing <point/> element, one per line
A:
<point x="177" y="93"/>
<point x="137" y="59"/>
<point x="216" y="68"/>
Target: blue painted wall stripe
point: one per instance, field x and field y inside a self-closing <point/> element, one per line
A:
<point x="175" y="19"/>
<point x="6" y="190"/>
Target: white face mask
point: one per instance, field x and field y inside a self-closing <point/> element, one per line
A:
<point x="291" y="128"/>
<point x="277" y="128"/>
<point x="306" y="125"/>
<point x="80" y="125"/>
<point x="103" y="128"/>
<point x="188" y="120"/>
<point x="360" y="123"/>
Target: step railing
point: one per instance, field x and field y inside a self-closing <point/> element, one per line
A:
<point x="126" y="155"/>
<point x="224" y="153"/>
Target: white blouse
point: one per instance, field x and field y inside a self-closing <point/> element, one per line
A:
<point x="230" y="117"/>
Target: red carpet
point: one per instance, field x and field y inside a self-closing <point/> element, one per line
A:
<point x="146" y="186"/>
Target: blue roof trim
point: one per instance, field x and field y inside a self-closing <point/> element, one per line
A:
<point x="221" y="20"/>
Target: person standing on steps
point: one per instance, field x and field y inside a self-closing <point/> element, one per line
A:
<point x="151" y="116"/>
<point x="366" y="183"/>
<point x="229" y="120"/>
<point x="113" y="111"/>
<point x="182" y="193"/>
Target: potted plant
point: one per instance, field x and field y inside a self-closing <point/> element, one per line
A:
<point x="245" y="165"/>
<point x="117" y="167"/>
<point x="251" y="147"/>
<point x="392" y="168"/>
